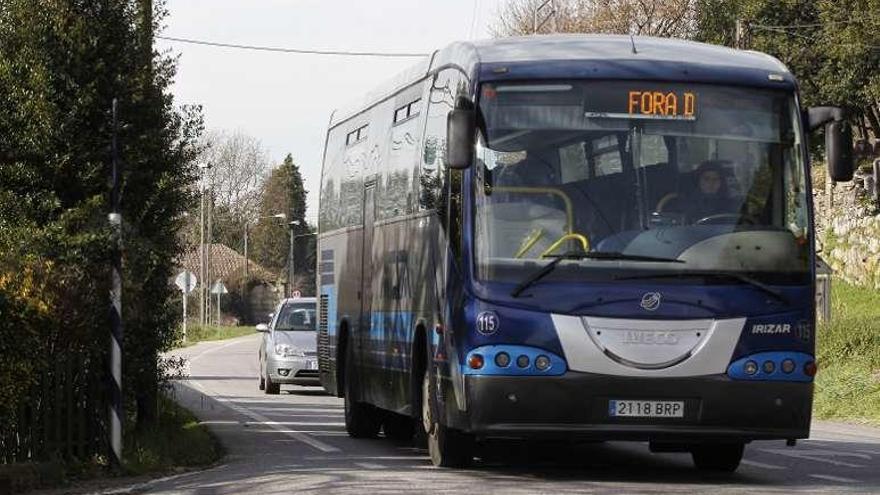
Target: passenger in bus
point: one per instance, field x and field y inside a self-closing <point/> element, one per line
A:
<point x="708" y="197"/>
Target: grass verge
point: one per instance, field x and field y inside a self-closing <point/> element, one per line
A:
<point x="195" y="333"/>
<point x="848" y="352"/>
<point x="176" y="441"/>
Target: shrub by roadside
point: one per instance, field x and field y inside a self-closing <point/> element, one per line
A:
<point x="848" y="353"/>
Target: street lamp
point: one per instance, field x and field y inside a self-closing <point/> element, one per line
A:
<point x="247" y="224"/>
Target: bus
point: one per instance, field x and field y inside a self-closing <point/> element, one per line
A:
<point x="575" y="237"/>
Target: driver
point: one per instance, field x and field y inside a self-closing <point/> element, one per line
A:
<point x="710" y="196"/>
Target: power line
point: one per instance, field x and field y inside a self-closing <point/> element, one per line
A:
<point x="302" y="51"/>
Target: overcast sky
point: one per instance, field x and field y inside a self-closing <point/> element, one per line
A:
<point x="285" y="100"/>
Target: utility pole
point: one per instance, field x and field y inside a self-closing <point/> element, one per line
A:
<point x="246" y="223"/>
<point x="290" y="260"/>
<point x="742" y="34"/>
<point x="203" y="263"/>
<point x="116" y="408"/>
<point x="536" y="26"/>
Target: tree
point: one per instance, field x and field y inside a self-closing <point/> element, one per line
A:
<point x="283" y="192"/>
<point x="62" y="62"/>
<point x="828" y="45"/>
<point x="669" y="18"/>
<point x="239" y="166"/>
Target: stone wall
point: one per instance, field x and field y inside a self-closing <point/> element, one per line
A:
<point x="848" y="228"/>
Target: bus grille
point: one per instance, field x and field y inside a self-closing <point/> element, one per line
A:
<point x="323" y="337"/>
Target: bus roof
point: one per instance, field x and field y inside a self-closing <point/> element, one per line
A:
<point x="590" y="56"/>
<point x="604" y="47"/>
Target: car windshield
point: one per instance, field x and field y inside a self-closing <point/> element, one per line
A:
<point x="297" y="317"/>
<point x="711" y="177"/>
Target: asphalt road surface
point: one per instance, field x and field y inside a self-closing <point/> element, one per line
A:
<point x="296" y="443"/>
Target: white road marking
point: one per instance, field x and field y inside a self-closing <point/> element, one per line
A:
<point x="369" y="465"/>
<point x="208" y="351"/>
<point x="815" y="455"/>
<point x="295" y="423"/>
<point x="761" y="465"/>
<point x="828" y="477"/>
<point x="372" y="458"/>
<point x="302" y="437"/>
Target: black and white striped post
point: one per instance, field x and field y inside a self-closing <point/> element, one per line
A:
<point x="116" y="331"/>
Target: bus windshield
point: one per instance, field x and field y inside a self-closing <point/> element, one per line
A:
<point x="710" y="177"/>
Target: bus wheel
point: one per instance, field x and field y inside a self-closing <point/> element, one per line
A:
<point x="398" y="427"/>
<point x="361" y="420"/>
<point x="718" y="456"/>
<point x="448" y="447"/>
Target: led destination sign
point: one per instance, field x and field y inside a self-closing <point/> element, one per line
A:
<point x="660" y="104"/>
<point x="657" y="103"/>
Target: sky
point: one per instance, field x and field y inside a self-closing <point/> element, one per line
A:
<point x="285" y="100"/>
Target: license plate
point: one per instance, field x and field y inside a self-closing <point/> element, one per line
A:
<point x="312" y="364"/>
<point x="646" y="408"/>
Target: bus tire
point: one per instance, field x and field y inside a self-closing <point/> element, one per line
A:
<point x="420" y="357"/>
<point x="447" y="447"/>
<point x="398" y="427"/>
<point x="361" y="420"/>
<point x="723" y="457"/>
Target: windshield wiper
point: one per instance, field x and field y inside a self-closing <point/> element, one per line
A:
<point x="723" y="275"/>
<point x="580" y="255"/>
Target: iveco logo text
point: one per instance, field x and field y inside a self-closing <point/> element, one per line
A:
<point x="651" y="301"/>
<point x="487" y="322"/>
<point x="771" y="328"/>
<point x="649" y="338"/>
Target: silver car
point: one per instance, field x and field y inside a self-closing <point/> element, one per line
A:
<point x="288" y="352"/>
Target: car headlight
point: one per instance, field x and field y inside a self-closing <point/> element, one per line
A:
<point x="288" y="351"/>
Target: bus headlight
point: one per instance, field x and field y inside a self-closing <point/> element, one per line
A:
<point x="542" y="362"/>
<point x="750" y="367"/>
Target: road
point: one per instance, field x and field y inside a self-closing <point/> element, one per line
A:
<point x="296" y="443"/>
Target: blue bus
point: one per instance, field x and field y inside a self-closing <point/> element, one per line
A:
<point x="574" y="237"/>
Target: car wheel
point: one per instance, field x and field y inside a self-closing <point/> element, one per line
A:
<point x="262" y="383"/>
<point x="447" y="447"/>
<point x="361" y="420"/>
<point x="272" y="388"/>
<point x="718" y="457"/>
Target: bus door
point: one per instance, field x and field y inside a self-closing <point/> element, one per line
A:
<point x="368" y="344"/>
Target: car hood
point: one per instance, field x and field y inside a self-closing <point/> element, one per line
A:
<point x="305" y="340"/>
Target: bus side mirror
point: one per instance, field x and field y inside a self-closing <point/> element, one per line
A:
<point x="839" y="148"/>
<point x="838" y="140"/>
<point x="460" y="131"/>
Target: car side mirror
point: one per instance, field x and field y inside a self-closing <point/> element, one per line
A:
<point x="461" y="127"/>
<point x="262" y="327"/>
<point x="838" y="140"/>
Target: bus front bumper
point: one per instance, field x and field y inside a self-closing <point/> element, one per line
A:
<point x="576" y="406"/>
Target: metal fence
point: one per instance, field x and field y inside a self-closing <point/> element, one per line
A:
<point x="62" y="418"/>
